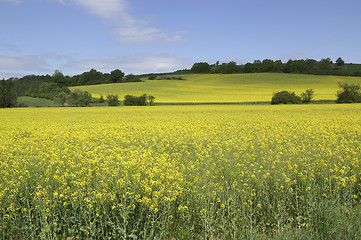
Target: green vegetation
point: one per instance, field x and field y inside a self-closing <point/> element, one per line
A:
<point x="350" y="93"/>
<point x="285" y="97"/>
<point x="160" y="77"/>
<point x="309" y="66"/>
<point x="113" y="100"/>
<point x="8" y="96"/>
<point x="307" y="96"/>
<point x="79" y="98"/>
<point x="351" y="68"/>
<point x="26" y="101"/>
<point x="48" y="90"/>
<point x="144" y="100"/>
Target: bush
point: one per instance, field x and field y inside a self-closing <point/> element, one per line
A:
<point x="350" y="93"/>
<point x="113" y="100"/>
<point x="307" y="96"/>
<point x="79" y="98"/>
<point x="285" y="97"/>
<point x="144" y="100"/>
<point x="131" y="78"/>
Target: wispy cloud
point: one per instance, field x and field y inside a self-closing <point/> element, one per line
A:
<point x="23" y="63"/>
<point x="19" y="66"/>
<point x="137" y="64"/>
<point x="128" y="28"/>
<point x="106" y="8"/>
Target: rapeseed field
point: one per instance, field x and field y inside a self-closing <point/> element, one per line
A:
<point x="181" y="172"/>
<point x="211" y="88"/>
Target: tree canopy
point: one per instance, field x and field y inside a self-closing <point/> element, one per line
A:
<point x="349" y="93"/>
<point x="8" y="96"/>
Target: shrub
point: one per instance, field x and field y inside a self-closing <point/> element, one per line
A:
<point x="113" y="100"/>
<point x="144" y="100"/>
<point x="350" y="93"/>
<point x="307" y="96"/>
<point x="131" y="78"/>
<point x="80" y="98"/>
<point x="285" y="97"/>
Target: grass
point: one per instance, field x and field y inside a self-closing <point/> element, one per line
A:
<point x="221" y="88"/>
<point x="36" y="102"/>
<point x="352" y="67"/>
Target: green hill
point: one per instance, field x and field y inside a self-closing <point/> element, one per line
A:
<point x="212" y="88"/>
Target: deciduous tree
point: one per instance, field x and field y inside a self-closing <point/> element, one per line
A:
<point x="8" y="96"/>
<point x="350" y="93"/>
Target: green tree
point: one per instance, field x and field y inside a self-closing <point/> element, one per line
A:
<point x="59" y="78"/>
<point x="113" y="100"/>
<point x="130" y="100"/>
<point x="61" y="98"/>
<point x="131" y="78"/>
<point x="92" y="77"/>
<point x="307" y="96"/>
<point x="201" y="67"/>
<point x="144" y="100"/>
<point x="8" y="96"/>
<point x="151" y="100"/>
<point x="285" y="97"/>
<point x="325" y="64"/>
<point x="350" y="93"/>
<point x="116" y="76"/>
<point x="227" y="68"/>
<point x="340" y="62"/>
<point x="80" y="98"/>
<point x="47" y="90"/>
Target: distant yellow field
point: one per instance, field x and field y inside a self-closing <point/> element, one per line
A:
<point x="225" y="88"/>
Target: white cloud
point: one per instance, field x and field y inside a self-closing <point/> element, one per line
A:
<point x="128" y="28"/>
<point x="137" y="34"/>
<point x="23" y="63"/>
<point x="44" y="64"/>
<point x="154" y="63"/>
<point x="105" y="8"/>
<point x="137" y="64"/>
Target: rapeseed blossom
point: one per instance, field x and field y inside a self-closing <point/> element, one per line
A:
<point x="104" y="169"/>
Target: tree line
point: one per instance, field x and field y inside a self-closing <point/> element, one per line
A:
<point x="56" y="88"/>
<point x="309" y="66"/>
<point x="47" y="86"/>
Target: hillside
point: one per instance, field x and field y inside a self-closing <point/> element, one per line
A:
<point x="198" y="88"/>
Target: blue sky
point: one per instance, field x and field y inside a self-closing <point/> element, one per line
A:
<point x="142" y="36"/>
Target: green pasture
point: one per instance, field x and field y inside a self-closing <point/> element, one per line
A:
<point x="198" y="88"/>
<point x="352" y="67"/>
<point x="36" y="102"/>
